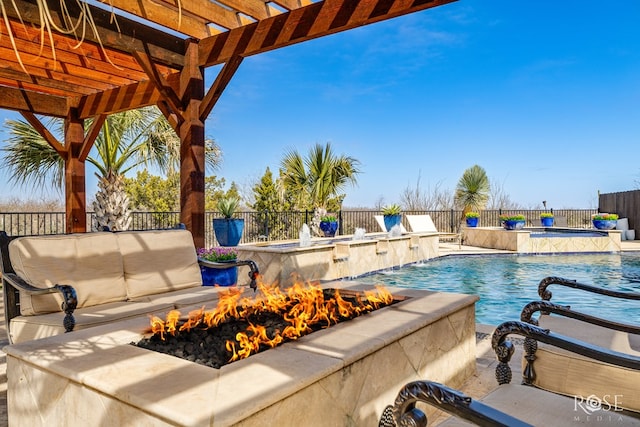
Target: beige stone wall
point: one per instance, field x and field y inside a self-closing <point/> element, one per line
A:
<point x="341" y="376"/>
<point x="346" y="259"/>
<point x="521" y="241"/>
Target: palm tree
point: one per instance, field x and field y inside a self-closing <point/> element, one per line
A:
<point x="472" y="191"/>
<point x="127" y="140"/>
<point x="318" y="179"/>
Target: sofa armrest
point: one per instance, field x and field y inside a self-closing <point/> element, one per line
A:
<point x="253" y="268"/>
<point x="552" y="280"/>
<point x="69" y="296"/>
<point x="504" y="349"/>
<point x="546" y="307"/>
<point x="404" y="413"/>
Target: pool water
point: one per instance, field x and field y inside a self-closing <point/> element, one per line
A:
<point x="506" y="283"/>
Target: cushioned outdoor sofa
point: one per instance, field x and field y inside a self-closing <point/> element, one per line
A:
<point x="58" y="283"/>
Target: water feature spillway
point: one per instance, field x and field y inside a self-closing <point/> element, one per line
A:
<point x="330" y="259"/>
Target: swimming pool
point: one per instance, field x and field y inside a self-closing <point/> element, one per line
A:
<point x="506" y="283"/>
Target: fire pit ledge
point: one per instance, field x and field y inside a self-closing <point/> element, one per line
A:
<point x="347" y="372"/>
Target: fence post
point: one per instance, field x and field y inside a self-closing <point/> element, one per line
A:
<point x="340" y="230"/>
<point x="451" y="221"/>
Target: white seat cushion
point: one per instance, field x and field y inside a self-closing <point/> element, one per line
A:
<point x="571" y="374"/>
<point x="202" y="295"/>
<point x="25" y="328"/>
<point x="543" y="408"/>
<point x="90" y="262"/>
<point x="158" y="261"/>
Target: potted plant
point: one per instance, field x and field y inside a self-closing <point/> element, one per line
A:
<point x="472" y="219"/>
<point x="228" y="230"/>
<point x="329" y="225"/>
<point x="546" y="219"/>
<point x="392" y="215"/>
<point x="512" y="222"/>
<point x="213" y="268"/>
<point x="604" y="221"/>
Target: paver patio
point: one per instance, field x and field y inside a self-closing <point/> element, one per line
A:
<point x="477" y="386"/>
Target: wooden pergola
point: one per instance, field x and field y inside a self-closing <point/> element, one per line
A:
<point x="152" y="52"/>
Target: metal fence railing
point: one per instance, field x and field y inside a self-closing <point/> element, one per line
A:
<point x="268" y="226"/>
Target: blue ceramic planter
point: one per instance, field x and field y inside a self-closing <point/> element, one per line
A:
<point x="513" y="224"/>
<point x="219" y="276"/>
<point x="546" y="221"/>
<point x="604" y="224"/>
<point x="228" y="231"/>
<point x="391" y="220"/>
<point x="472" y="222"/>
<point x="329" y="228"/>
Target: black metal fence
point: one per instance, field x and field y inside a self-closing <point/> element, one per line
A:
<point x="267" y="226"/>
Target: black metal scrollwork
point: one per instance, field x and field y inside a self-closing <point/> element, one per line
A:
<point x="504" y="348"/>
<point x="551" y="280"/>
<point x="404" y="413"/>
<point x="68" y="306"/>
<point x="546" y="307"/>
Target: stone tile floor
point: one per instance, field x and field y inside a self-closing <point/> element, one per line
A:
<point x="477" y="386"/>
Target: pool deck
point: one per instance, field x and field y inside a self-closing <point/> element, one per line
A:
<point x="480" y="384"/>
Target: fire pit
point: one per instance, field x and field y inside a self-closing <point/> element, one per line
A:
<point x="238" y="328"/>
<point x="343" y="375"/>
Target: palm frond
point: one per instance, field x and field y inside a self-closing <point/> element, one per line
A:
<point x="28" y="160"/>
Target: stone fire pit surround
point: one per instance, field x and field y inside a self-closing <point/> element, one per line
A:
<point x="343" y="375"/>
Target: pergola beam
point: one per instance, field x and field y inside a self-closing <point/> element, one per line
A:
<point x="135" y="95"/>
<point x="33" y="102"/>
<point x="315" y="20"/>
<point x="45" y="133"/>
<point x="218" y="86"/>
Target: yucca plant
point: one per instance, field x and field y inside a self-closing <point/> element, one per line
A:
<point x="472" y="191"/>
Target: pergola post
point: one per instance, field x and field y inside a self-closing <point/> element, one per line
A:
<point x="74" y="175"/>
<point x="191" y="134"/>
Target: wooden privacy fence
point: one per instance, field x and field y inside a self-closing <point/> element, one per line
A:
<point x="626" y="204"/>
<point x="269" y="226"/>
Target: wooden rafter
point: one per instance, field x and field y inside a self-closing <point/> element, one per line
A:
<point x="169" y="15"/>
<point x="218" y="86"/>
<point x="114" y="32"/>
<point x="159" y="82"/>
<point x="45" y="133"/>
<point x="34" y="102"/>
<point x="90" y="137"/>
<point x="306" y="23"/>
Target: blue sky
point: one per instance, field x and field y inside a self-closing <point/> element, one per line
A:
<point x="544" y="95"/>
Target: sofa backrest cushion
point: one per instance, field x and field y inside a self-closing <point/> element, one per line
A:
<point x="90" y="262"/>
<point x="158" y="261"/>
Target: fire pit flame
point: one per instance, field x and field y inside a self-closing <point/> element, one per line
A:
<point x="303" y="308"/>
